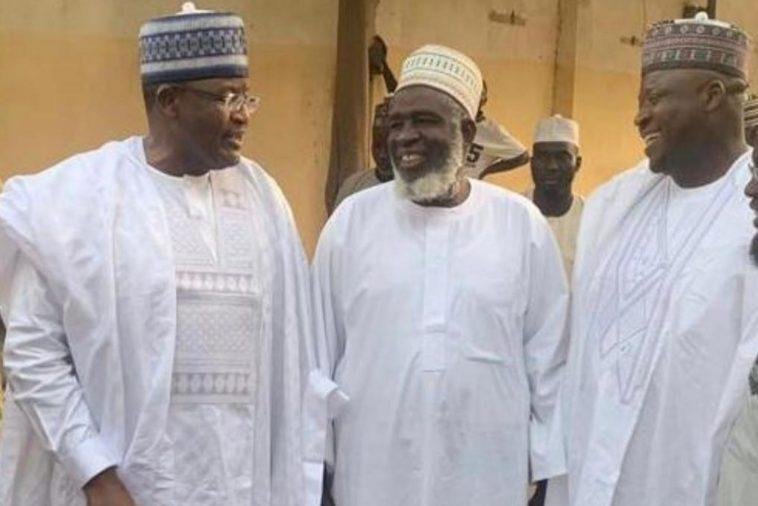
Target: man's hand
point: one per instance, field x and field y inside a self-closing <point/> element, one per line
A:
<point x="106" y="489"/>
<point x="377" y="56"/>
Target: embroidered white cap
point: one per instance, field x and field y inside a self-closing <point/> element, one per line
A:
<point x="447" y="70"/>
<point x="557" y="129"/>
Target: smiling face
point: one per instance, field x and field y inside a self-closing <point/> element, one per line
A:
<point x="210" y="134"/>
<point x="421" y="130"/>
<point x="671" y="118"/>
<point x="427" y="136"/>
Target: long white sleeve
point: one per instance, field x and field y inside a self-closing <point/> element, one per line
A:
<point x="328" y="315"/>
<point x="545" y="348"/>
<point x="42" y="377"/>
<point x="329" y="327"/>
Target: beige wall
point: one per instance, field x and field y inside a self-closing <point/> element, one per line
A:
<point x="519" y="65"/>
<point x="69" y="82"/>
<point x="68" y="76"/>
<point x="516" y="61"/>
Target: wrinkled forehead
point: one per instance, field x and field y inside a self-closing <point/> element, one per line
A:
<point x="420" y="98"/>
<point x="676" y="79"/>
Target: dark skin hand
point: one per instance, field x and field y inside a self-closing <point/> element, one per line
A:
<point x="506" y="165"/>
<point x="377" y="60"/>
<point x="538" y="499"/>
<point x="106" y="489"/>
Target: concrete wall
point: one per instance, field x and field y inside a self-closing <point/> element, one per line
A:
<point x="69" y="82"/>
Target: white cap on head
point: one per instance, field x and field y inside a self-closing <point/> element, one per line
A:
<point x="557" y="129"/>
<point x="447" y="70"/>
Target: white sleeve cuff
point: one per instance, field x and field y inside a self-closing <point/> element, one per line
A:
<point x="86" y="460"/>
<point x="322" y="401"/>
<point x="547" y="454"/>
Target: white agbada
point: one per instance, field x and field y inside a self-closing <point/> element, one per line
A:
<point x="738" y="479"/>
<point x="445" y="329"/>
<point x="663" y="336"/>
<point x="109" y="363"/>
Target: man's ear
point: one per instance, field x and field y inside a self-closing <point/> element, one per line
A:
<point x="578" y="163"/>
<point x="713" y="94"/>
<point x="468" y="128"/>
<point x="166" y="100"/>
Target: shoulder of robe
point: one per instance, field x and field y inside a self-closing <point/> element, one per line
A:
<point x="508" y="200"/>
<point x="75" y="180"/>
<point x="356" y="211"/>
<point x="363" y="201"/>
<point x="621" y="183"/>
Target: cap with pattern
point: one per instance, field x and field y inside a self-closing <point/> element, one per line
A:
<point x="446" y="70"/>
<point x="193" y="44"/>
<point x="698" y="43"/>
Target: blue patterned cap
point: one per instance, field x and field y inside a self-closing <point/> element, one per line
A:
<point x="192" y="44"/>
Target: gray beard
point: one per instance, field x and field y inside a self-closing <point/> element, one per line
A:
<point x="436" y="184"/>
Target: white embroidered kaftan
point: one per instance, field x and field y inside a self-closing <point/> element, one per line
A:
<point x="219" y="321"/>
<point x="98" y="370"/>
<point x="664" y="333"/>
<point x="445" y="329"/>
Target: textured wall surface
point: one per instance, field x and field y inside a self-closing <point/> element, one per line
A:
<point x="69" y="82"/>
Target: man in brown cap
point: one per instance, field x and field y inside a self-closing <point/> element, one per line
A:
<point x="661" y="325"/>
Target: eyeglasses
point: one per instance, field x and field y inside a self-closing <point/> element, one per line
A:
<point x="230" y="101"/>
<point x="753" y="170"/>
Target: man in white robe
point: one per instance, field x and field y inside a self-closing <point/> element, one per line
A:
<point x="443" y="303"/>
<point x="738" y="481"/>
<point x="664" y="309"/>
<point x="156" y="297"/>
<point x="554" y="163"/>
